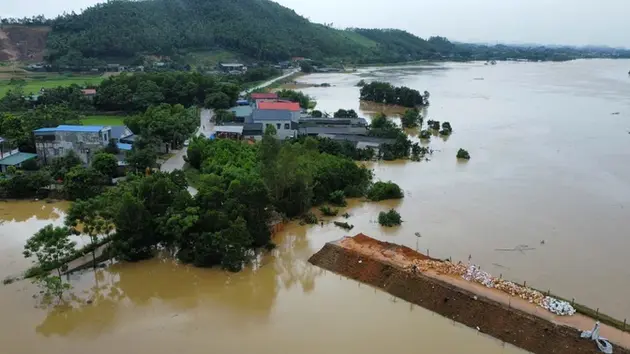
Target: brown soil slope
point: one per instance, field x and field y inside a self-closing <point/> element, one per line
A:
<point x="24" y="43"/>
<point x="507" y="324"/>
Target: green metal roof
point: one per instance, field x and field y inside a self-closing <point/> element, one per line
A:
<point x="242" y="111"/>
<point x="17" y="159"/>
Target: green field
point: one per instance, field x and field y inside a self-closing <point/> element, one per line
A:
<point x="33" y="85"/>
<point x="103" y="120"/>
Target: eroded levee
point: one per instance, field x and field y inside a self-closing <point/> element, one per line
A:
<point x="382" y="265"/>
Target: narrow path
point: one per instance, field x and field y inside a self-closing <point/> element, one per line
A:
<point x="265" y="84"/>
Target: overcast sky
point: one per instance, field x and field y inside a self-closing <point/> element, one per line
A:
<point x="575" y="22"/>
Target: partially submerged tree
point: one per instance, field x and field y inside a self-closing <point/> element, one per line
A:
<point x="389" y="218"/>
<point x="463" y="154"/>
<point x="51" y="246"/>
<point x="384" y="190"/>
<point x="90" y="217"/>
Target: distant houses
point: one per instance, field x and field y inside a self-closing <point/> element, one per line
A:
<point x="232" y="68"/>
<point x="289" y="120"/>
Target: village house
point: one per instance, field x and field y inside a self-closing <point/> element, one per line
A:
<point x="84" y="140"/>
<point x="89" y="93"/>
<point x="258" y="97"/>
<point x="232" y="68"/>
<point x="10" y="156"/>
<point x="283" y="116"/>
<point x="242" y="113"/>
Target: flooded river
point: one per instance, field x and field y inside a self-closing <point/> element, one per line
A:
<point x="548" y="163"/>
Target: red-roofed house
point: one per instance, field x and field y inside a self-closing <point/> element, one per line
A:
<point x="89" y="93"/>
<point x="280" y="105"/>
<point x="264" y="96"/>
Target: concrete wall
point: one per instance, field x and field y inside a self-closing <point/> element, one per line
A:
<point x="282" y="133"/>
<point x="84" y="144"/>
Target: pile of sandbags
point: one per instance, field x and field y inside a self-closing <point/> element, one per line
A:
<point x="474" y="273"/>
<point x="559" y="307"/>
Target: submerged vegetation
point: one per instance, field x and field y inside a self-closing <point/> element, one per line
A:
<point x="384" y="190"/>
<point x="463" y="154"/>
<point x="383" y="92"/>
<point x="389" y="218"/>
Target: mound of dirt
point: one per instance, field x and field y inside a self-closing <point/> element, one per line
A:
<point x="505" y="323"/>
<point x="23" y="43"/>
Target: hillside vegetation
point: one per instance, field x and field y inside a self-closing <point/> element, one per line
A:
<point x="257" y="29"/>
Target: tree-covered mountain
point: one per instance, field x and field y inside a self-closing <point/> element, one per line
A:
<point x="257" y="29"/>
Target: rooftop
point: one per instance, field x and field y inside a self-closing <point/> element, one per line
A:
<point x="270" y="115"/>
<point x="242" y="111"/>
<point x="89" y="92"/>
<point x="238" y="129"/>
<point x="124" y="147"/>
<point x="264" y="96"/>
<point x="73" y="128"/>
<point x="17" y="159"/>
<point x="289" y="106"/>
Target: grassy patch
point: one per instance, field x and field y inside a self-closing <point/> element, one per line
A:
<point x="192" y="175"/>
<point x="36" y="82"/>
<point x="103" y="120"/>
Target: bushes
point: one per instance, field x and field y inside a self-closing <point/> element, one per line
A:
<point x="328" y="211"/>
<point x="384" y="190"/>
<point x="338" y="198"/>
<point x="463" y="154"/>
<point x="309" y="218"/>
<point x="389" y="218"/>
<point x="425" y="134"/>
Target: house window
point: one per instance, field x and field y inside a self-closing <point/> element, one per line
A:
<point x="278" y="126"/>
<point x="286" y="126"/>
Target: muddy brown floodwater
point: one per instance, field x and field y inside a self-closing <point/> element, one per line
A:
<point x="548" y="162"/>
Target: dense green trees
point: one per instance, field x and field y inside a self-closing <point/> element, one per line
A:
<point x="383" y="92"/>
<point x="139" y="91"/>
<point x="296" y="96"/>
<point x="411" y="118"/>
<point x="384" y="190"/>
<point x="106" y="164"/>
<point x="342" y="113"/>
<point x="171" y="124"/>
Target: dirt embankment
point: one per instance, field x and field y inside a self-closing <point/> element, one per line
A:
<point x="23" y="43"/>
<point x="507" y="324"/>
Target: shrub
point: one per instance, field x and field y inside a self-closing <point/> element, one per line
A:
<point x="463" y="154"/>
<point x="309" y="218"/>
<point x="30" y="165"/>
<point x="328" y="211"/>
<point x="384" y="190"/>
<point x="338" y="198"/>
<point x="425" y="134"/>
<point x="434" y="124"/>
<point x="389" y="218"/>
<point x="447" y="126"/>
<point x="445" y="132"/>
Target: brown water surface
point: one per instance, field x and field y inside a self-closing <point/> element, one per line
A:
<point x="549" y="144"/>
<point x="548" y="162"/>
<point x="282" y="304"/>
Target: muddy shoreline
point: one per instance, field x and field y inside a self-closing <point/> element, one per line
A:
<point x="507" y="324"/>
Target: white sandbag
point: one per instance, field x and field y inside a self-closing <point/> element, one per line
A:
<point x="602" y="343"/>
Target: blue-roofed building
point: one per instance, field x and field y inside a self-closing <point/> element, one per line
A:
<point x="242" y="113"/>
<point x="12" y="157"/>
<point x="84" y="140"/>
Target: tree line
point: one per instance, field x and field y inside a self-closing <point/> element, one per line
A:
<point x="384" y="92"/>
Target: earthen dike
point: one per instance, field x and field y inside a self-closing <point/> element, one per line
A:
<point x="511" y="319"/>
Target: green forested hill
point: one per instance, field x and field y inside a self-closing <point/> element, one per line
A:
<point x="259" y="29"/>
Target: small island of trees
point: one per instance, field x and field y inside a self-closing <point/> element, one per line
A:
<point x="386" y="93"/>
